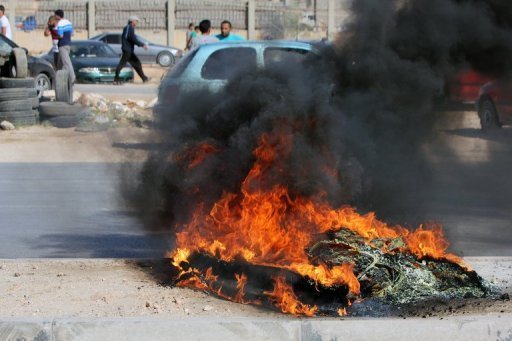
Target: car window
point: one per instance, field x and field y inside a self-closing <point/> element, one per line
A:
<point x="4" y="46"/>
<point x="278" y="55"/>
<point x="225" y="63"/>
<point x="179" y="68"/>
<point x="112" y="39"/>
<point x="91" y="51"/>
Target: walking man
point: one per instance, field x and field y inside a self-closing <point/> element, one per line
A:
<point x="64" y="31"/>
<point x="206" y="36"/>
<point x="191" y="34"/>
<point x="4" y="24"/>
<point x="129" y="40"/>
<point x="225" y="32"/>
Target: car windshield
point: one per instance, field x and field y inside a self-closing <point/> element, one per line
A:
<point x="91" y="50"/>
<point x="5" y="47"/>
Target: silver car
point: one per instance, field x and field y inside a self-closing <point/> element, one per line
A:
<point x="211" y="65"/>
<point x="162" y="55"/>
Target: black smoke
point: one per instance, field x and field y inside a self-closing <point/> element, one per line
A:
<point x="365" y="107"/>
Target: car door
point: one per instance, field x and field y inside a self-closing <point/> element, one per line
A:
<point x="145" y="56"/>
<point x="114" y="40"/>
<point x="224" y="63"/>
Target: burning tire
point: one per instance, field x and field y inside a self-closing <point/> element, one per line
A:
<point x="489" y="119"/>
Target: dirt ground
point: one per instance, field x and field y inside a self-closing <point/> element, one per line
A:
<point x="48" y="144"/>
<point x="120" y="288"/>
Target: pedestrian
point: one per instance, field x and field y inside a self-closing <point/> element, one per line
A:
<point x="191" y="34"/>
<point x="206" y="37"/>
<point x="225" y="32"/>
<point x="4" y="23"/>
<point x="51" y="30"/>
<point x="129" y="40"/>
<point x="64" y="32"/>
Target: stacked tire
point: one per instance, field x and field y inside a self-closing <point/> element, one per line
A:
<point x="18" y="97"/>
<point x="62" y="115"/>
<point x="19" y="102"/>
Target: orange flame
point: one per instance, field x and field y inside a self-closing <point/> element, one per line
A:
<point x="265" y="225"/>
<point x="283" y="297"/>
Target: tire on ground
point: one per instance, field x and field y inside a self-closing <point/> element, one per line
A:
<point x="19" y="63"/>
<point x="19" y="118"/>
<point x="54" y="109"/>
<point x="63" y="87"/>
<point x="16" y="105"/>
<point x="67" y="121"/>
<point x="16" y="93"/>
<point x="6" y="83"/>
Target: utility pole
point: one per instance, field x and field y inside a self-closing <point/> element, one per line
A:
<point x="91" y="18"/>
<point x="251" y="20"/>
<point x="12" y="18"/>
<point x="171" y="21"/>
<point x="331" y="26"/>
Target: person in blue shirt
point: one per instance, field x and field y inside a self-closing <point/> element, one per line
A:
<point x="225" y="32"/>
<point x="64" y="30"/>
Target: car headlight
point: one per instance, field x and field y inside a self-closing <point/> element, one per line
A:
<point x="89" y="69"/>
<point x="126" y="69"/>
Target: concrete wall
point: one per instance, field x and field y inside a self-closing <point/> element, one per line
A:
<point x="37" y="43"/>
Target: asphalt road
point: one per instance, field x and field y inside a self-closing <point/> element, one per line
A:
<point x="72" y="209"/>
<point x="67" y="210"/>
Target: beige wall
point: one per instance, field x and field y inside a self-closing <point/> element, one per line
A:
<point x="37" y="43"/>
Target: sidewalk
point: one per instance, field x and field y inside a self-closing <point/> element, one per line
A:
<point x="63" y="299"/>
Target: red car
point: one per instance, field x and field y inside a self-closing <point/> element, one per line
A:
<point x="495" y="104"/>
<point x="465" y="86"/>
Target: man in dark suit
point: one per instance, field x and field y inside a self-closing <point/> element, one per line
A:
<point x="129" y="40"/>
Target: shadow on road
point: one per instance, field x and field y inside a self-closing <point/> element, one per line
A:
<point x="503" y="135"/>
<point x="109" y="245"/>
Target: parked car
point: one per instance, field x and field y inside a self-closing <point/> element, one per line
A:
<point x="211" y="65"/>
<point x="495" y="104"/>
<point x="465" y="86"/>
<point x="94" y="62"/>
<point x="162" y="55"/>
<point x="41" y="70"/>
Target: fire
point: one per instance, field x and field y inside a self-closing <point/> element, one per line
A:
<point x="265" y="225"/>
<point x="284" y="298"/>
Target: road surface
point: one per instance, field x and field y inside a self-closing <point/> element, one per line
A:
<point x="50" y="209"/>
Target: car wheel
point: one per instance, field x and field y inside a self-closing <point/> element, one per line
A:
<point x="165" y="59"/>
<point x="42" y="83"/>
<point x="488" y="115"/>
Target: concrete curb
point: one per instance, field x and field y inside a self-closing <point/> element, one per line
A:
<point x="498" y="327"/>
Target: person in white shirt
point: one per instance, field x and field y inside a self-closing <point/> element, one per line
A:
<point x="4" y="23"/>
<point x="205" y="27"/>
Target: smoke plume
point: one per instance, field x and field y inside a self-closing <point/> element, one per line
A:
<point x="358" y="115"/>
